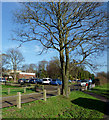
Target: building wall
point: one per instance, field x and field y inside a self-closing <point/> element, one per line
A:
<point x="26" y="76"/>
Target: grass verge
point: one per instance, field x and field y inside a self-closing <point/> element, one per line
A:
<point x="79" y="105"/>
<point x="14" y="90"/>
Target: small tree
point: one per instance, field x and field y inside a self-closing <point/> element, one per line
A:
<point x="13" y="59"/>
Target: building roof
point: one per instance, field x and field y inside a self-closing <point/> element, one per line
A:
<point x="23" y="73"/>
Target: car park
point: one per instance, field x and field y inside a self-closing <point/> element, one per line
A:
<point x="56" y="82"/>
<point x="46" y="80"/>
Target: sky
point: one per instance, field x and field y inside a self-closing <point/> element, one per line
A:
<point x="29" y="50"/>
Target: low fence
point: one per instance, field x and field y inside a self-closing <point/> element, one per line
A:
<point x="44" y="94"/>
<point x="19" y="98"/>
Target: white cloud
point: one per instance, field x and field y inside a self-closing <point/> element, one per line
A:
<point x="38" y="48"/>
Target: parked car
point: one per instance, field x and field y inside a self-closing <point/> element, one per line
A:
<point x="21" y="81"/>
<point x="33" y="80"/>
<point x="46" y="80"/>
<point x="84" y="83"/>
<point x="39" y="81"/>
<point x="27" y="80"/>
<point x="2" y="80"/>
<point x="56" y="82"/>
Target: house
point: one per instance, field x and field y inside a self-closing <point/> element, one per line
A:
<point x="26" y="75"/>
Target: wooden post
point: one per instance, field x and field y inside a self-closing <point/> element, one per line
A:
<point x="8" y="91"/>
<point x="69" y="90"/>
<point x="86" y="88"/>
<point x="18" y="99"/>
<point x="44" y="95"/>
<point x="63" y="92"/>
<point x="24" y="89"/>
<point x="58" y="91"/>
<point x="42" y="87"/>
<point x="73" y="87"/>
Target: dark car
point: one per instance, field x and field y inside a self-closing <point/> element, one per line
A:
<point x="56" y="82"/>
<point x="22" y="81"/>
<point x="27" y="80"/>
<point x="35" y="81"/>
<point x="39" y="81"/>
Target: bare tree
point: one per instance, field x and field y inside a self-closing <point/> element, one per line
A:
<point x="13" y="59"/>
<point x="68" y="27"/>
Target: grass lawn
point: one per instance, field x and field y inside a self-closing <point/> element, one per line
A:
<point x="102" y="90"/>
<point x="79" y="105"/>
<point x="14" y="90"/>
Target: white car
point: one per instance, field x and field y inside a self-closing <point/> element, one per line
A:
<point x="2" y="80"/>
<point x="46" y="80"/>
<point x="83" y="82"/>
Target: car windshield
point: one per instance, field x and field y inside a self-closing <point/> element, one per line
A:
<point x="54" y="80"/>
<point x="83" y="81"/>
<point x="57" y="79"/>
<point x="2" y="78"/>
<point x="45" y="79"/>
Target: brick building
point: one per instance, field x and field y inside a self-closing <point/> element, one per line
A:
<point x="26" y="75"/>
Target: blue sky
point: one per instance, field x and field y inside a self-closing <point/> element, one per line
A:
<point x="29" y="50"/>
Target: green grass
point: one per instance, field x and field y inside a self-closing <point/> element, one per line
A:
<point x="102" y="90"/>
<point x="14" y="90"/>
<point x="78" y="105"/>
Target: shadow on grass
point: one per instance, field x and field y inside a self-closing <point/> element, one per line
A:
<point x="91" y="104"/>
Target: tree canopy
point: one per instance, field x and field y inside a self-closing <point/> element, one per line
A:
<point x="71" y="28"/>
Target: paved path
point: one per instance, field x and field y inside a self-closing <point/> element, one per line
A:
<point x="106" y="116"/>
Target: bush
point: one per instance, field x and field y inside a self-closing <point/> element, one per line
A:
<point x="96" y="81"/>
<point x="38" y="88"/>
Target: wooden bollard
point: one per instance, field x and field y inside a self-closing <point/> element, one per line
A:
<point x="8" y="91"/>
<point x="42" y="87"/>
<point x="86" y="88"/>
<point x="69" y="90"/>
<point x="63" y="92"/>
<point x="24" y="89"/>
<point x="73" y="87"/>
<point x="58" y="91"/>
<point x="44" y="95"/>
<point x="18" y="99"/>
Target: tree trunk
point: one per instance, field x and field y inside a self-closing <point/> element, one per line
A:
<point x="62" y="70"/>
<point x="14" y="75"/>
<point x="15" y="67"/>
